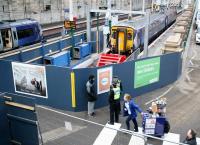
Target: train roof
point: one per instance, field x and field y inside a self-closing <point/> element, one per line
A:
<point x="140" y="23"/>
<point x="20" y="22"/>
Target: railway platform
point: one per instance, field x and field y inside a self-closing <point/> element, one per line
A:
<point x="182" y="112"/>
<point x="45" y="104"/>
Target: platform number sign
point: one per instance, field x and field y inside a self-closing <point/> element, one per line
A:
<point x="147" y="72"/>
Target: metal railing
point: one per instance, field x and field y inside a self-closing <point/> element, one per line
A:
<point x="121" y="133"/>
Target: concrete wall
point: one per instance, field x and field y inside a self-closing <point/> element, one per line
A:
<point x="18" y="9"/>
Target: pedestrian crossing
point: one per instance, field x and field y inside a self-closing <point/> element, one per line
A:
<point x="109" y="132"/>
<point x="139" y="139"/>
<point x="198" y="141"/>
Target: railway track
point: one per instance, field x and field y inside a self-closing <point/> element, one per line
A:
<point x="81" y="25"/>
<point x="52" y="38"/>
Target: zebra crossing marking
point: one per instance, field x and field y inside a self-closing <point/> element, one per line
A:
<point x="107" y="134"/>
<point x="140" y="140"/>
<point x="198" y="140"/>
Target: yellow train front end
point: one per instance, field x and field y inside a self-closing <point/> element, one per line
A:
<point x="122" y="40"/>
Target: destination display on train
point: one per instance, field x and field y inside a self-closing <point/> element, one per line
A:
<point x="147" y="72"/>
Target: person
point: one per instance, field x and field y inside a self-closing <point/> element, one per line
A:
<point x="118" y="82"/>
<point x="91" y="97"/>
<point x="191" y="137"/>
<point x="114" y="102"/>
<point x="130" y="109"/>
<point x="37" y="84"/>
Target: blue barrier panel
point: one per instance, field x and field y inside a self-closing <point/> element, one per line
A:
<point x="59" y="88"/>
<point x="81" y="77"/>
<point x="58" y="85"/>
<point x="54" y="46"/>
<point x="18" y="123"/>
<point x="59" y="81"/>
<point x="4" y="131"/>
<point x="6" y="78"/>
<point x="22" y="122"/>
<point x="170" y="70"/>
<point x="28" y="55"/>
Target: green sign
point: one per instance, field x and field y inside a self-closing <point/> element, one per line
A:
<point x="147" y="72"/>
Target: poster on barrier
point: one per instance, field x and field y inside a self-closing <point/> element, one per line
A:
<point x="104" y="79"/>
<point x="30" y="79"/>
<point x="147" y="72"/>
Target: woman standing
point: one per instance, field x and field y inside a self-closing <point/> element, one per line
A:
<point x="130" y="109"/>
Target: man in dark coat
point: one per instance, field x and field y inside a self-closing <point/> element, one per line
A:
<point x="91" y="97"/>
<point x="114" y="101"/>
<point x="191" y="138"/>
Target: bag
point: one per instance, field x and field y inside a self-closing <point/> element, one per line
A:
<point x="125" y="111"/>
<point x="166" y="126"/>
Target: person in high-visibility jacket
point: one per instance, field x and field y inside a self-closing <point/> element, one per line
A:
<point x="114" y="101"/>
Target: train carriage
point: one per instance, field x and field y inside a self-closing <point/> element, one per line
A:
<point x="128" y="36"/>
<point x="18" y="33"/>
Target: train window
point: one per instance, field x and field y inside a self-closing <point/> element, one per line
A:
<point x="15" y="35"/>
<point x="25" y="33"/>
<point x="114" y="35"/>
<point x="129" y="36"/>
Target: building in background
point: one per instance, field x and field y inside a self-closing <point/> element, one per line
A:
<point x="50" y="11"/>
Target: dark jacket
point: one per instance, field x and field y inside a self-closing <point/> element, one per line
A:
<point x="111" y="96"/>
<point x="191" y="141"/>
<point x="90" y="91"/>
<point x="133" y="107"/>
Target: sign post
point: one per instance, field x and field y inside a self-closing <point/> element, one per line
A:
<point x="71" y="25"/>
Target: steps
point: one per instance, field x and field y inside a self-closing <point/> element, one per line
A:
<point x="106" y="59"/>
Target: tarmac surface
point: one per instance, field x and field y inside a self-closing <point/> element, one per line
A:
<point x="183" y="99"/>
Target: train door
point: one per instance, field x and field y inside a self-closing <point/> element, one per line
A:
<point x="14" y="38"/>
<point x="1" y="42"/>
<point x="121" y="40"/>
<point x="7" y="38"/>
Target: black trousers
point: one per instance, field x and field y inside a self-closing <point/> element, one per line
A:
<point x="128" y="119"/>
<point x="114" y="112"/>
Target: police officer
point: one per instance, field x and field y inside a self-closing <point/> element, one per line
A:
<point x="114" y="101"/>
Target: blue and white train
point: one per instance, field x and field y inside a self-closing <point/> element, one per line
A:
<point x="19" y="33"/>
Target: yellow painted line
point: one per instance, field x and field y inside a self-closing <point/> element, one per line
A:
<point x="51" y="53"/>
<point x="7" y="97"/>
<point x="29" y="61"/>
<point x="20" y="105"/>
<point x="10" y="54"/>
<point x="29" y="49"/>
<point x="73" y="90"/>
<point x="67" y="47"/>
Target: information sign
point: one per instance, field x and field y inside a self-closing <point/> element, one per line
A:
<point x="147" y="72"/>
<point x="69" y="24"/>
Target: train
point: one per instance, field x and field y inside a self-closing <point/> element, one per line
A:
<point x="128" y="36"/>
<point x="19" y="33"/>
